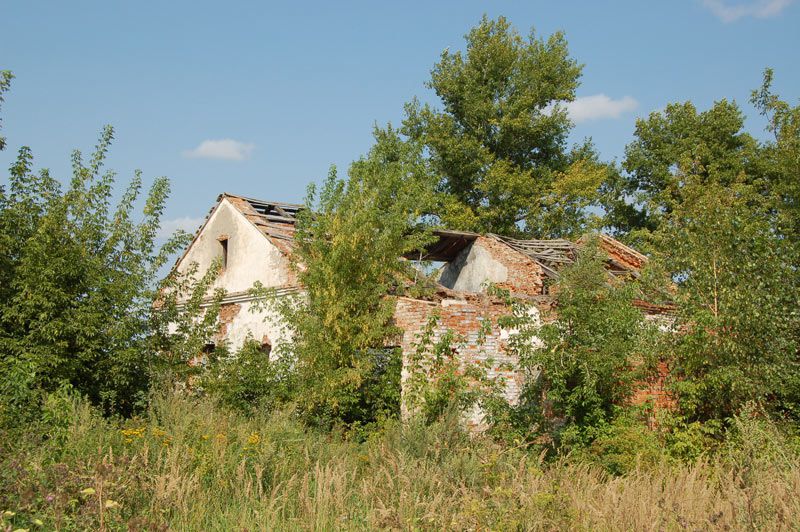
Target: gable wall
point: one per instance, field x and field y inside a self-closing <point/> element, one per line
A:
<point x="251" y="255"/>
<point x="488" y="260"/>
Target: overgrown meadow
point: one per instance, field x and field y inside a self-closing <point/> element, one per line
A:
<point x="187" y="464"/>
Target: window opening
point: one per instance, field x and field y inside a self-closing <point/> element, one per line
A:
<point x="223" y="241"/>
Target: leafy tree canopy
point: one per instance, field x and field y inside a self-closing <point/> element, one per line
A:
<point x="670" y="145"/>
<point x="588" y="360"/>
<point x="347" y="253"/>
<point x="499" y="143"/>
<point x="76" y="283"/>
<point x="738" y="329"/>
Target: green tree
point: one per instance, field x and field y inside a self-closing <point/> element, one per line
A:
<point x="710" y="146"/>
<point x="781" y="157"/>
<point x="348" y="248"/>
<point x="249" y="381"/>
<point x="737" y="328"/>
<point x="588" y="359"/>
<point x="498" y="145"/>
<point x="719" y="210"/>
<point x="5" y="83"/>
<point x="184" y="316"/>
<point x="76" y="283"/>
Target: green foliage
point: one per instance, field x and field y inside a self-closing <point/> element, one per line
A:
<point x="5" y="83"/>
<point x="77" y="280"/>
<point x="440" y="384"/>
<point x="781" y="157"/>
<point x="347" y="253"/>
<point x="498" y="145"/>
<point x="183" y="319"/>
<point x="625" y="445"/>
<point x="589" y="358"/>
<point x="187" y="463"/>
<point x="249" y="380"/>
<point x="676" y="143"/>
<point x="738" y="300"/>
<point x="718" y="210"/>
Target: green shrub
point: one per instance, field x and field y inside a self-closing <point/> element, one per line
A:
<point x="626" y="444"/>
<point x="249" y="380"/>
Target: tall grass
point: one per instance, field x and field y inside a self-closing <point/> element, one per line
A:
<point x="189" y="465"/>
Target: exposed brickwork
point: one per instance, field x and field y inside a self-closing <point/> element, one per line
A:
<point x="463" y="313"/>
<point x="621" y="253"/>
<point x="226" y="314"/>
<point x="654" y="392"/>
<point x="280" y="234"/>
<point x="525" y="276"/>
<point x="466" y="318"/>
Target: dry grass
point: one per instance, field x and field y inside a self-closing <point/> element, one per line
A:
<point x="191" y="466"/>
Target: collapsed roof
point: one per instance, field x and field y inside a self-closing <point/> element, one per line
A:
<point x="551" y="255"/>
<point x="276" y="220"/>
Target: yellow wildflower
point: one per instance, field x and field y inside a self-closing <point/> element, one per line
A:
<point x="133" y="433"/>
<point x="254" y="439"/>
<point x="112" y="504"/>
<point x="88" y="491"/>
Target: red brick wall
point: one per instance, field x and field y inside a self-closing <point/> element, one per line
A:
<point x="227" y="312"/>
<point x="653" y="391"/>
<point x="622" y="253"/>
<point x="525" y="276"/>
<point x="465" y="318"/>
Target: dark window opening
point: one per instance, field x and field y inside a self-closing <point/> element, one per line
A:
<point x="266" y="348"/>
<point x="201" y="359"/>
<point x="224" y="243"/>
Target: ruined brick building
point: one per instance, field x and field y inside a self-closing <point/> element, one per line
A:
<point x="253" y="239"/>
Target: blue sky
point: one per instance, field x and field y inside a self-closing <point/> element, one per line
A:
<point x="260" y="98"/>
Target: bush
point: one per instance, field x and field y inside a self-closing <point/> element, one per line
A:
<point x="77" y="280"/>
<point x="249" y="380"/>
<point x="625" y="445"/>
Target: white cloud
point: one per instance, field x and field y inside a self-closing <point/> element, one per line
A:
<point x="188" y="224"/>
<point x="598" y="106"/>
<point x="730" y="12"/>
<point x="227" y="149"/>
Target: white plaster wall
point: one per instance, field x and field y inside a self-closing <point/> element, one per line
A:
<point x="472" y="270"/>
<point x="253" y="323"/>
<point x="251" y="256"/>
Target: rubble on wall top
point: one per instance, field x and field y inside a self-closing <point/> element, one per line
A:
<point x="550" y="254"/>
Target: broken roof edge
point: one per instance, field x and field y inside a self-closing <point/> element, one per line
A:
<point x="449" y="244"/>
<point x="277" y="227"/>
<point x="197" y="233"/>
<point x="610" y="240"/>
<point x="217" y="203"/>
<point x="297" y="206"/>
